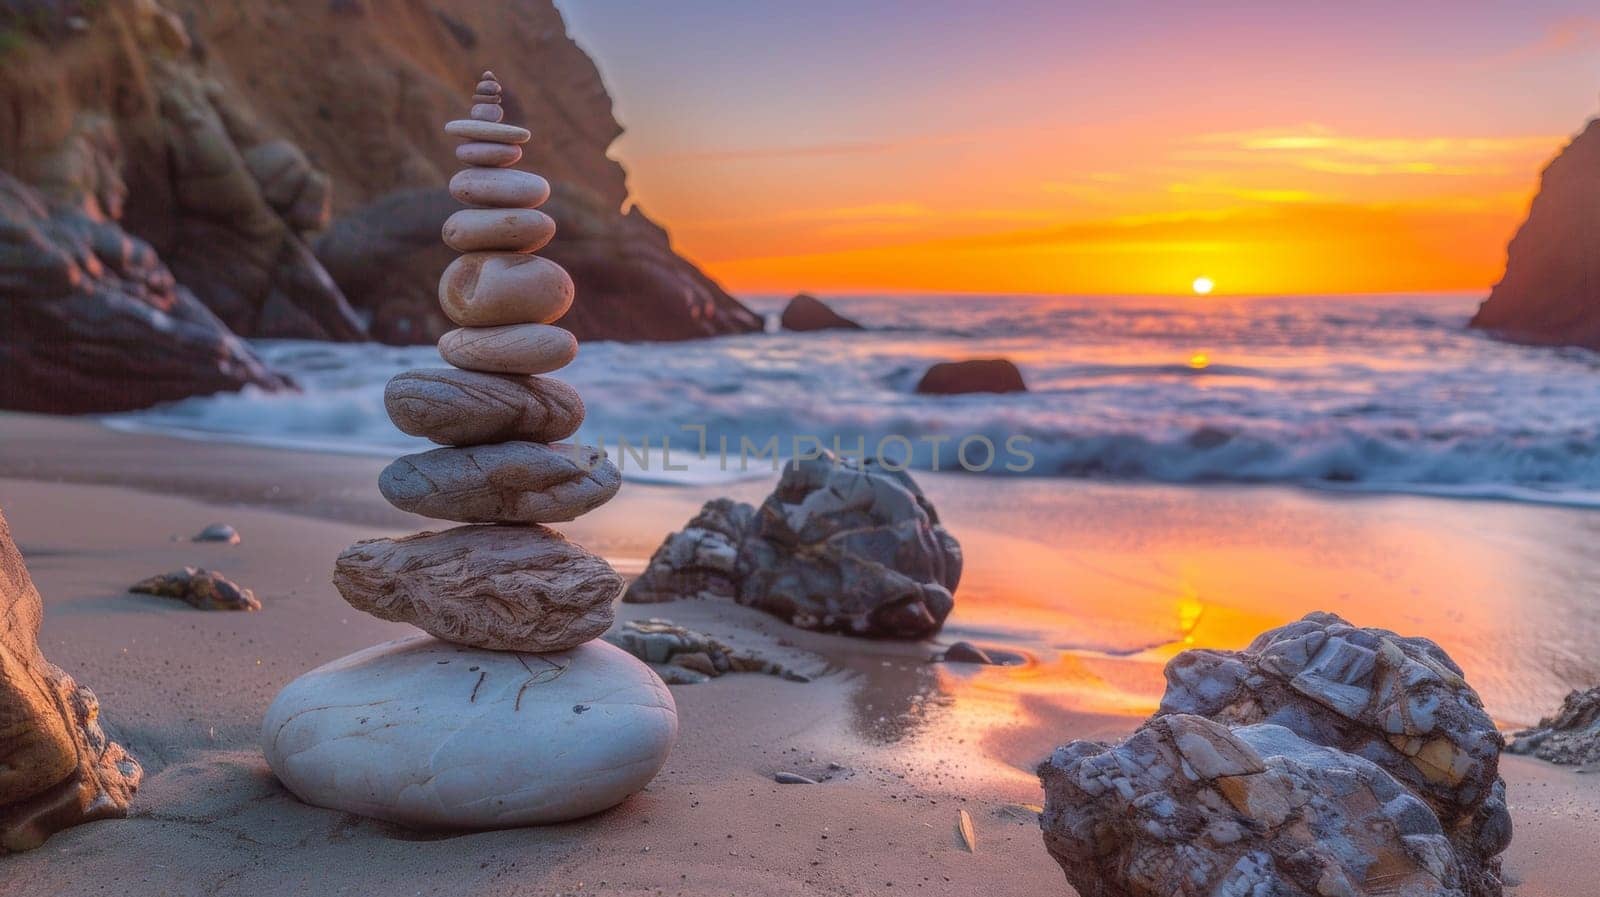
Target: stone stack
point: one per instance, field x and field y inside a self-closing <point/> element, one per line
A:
<point x="508" y="712"/>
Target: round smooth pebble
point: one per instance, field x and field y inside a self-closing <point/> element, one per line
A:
<point x="491" y="132"/>
<point x="487" y="289"/>
<point x="455" y="407"/>
<point x="428" y="734"/>
<point x="489" y="87"/>
<point x="508" y="230"/>
<point x="497" y="154"/>
<point x="511" y="349"/>
<point x="499" y="188"/>
<point x="487" y="112"/>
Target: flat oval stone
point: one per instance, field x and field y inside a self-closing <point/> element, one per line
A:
<point x="428" y="734"/>
<point x="488" y="131"/>
<point x="499" y="188"/>
<point x="486" y="112"/>
<point x="456" y="407"/>
<point x="485" y="289"/>
<point x="505" y="482"/>
<point x="505" y="588"/>
<point x="497" y="154"/>
<point x="490" y="88"/>
<point x="507" y="230"/>
<point x="511" y="349"/>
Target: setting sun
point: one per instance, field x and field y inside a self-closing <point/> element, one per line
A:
<point x="1203" y="286"/>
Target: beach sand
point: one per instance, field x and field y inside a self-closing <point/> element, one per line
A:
<point x="1096" y="584"/>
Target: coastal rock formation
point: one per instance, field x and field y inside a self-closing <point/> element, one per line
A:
<point x="435" y="735"/>
<point x="806" y="312"/>
<point x="1570" y="737"/>
<point x="199" y="588"/>
<point x="1189" y="806"/>
<point x="1400" y="703"/>
<point x="839" y="546"/>
<point x="59" y="768"/>
<point x="506" y="588"/>
<point x="92" y="322"/>
<point x="1550" y="293"/>
<point x="512" y="714"/>
<point x="976" y="375"/>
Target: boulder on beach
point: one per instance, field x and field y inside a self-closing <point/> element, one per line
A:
<point x="994" y="375"/>
<point x="840" y="546"/>
<point x="1570" y="737"/>
<point x="59" y="768"/>
<point x="1359" y="701"/>
<point x="807" y="312"/>
<point x="1550" y="293"/>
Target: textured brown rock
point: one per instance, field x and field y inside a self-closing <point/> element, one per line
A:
<point x="976" y="375"/>
<point x="454" y="407"/>
<point x="807" y="312"/>
<point x="507" y="482"/>
<point x="91" y="321"/>
<point x="1550" y="293"/>
<point x="505" y="588"/>
<point x="839" y="546"/>
<point x="57" y="768"/>
<point x="511" y="349"/>
<point x="200" y="588"/>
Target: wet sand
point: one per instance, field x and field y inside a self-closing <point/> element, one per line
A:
<point x="1097" y="584"/>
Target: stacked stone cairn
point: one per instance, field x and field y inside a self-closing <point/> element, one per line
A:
<point x="508" y="712"/>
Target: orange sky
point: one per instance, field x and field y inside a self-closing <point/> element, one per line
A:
<point x="1043" y="149"/>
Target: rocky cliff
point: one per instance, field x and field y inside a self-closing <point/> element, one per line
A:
<point x="1551" y="290"/>
<point x="225" y="137"/>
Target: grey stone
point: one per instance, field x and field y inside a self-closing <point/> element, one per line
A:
<point x="840" y="546"/>
<point x="1571" y="736"/>
<point x="507" y="482"/>
<point x="661" y="643"/>
<point x="455" y="407"/>
<point x="218" y="532"/>
<point x="504" y="588"/>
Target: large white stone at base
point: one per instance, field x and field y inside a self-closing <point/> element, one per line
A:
<point x="431" y="734"/>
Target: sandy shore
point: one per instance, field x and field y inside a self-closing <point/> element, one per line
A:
<point x="184" y="690"/>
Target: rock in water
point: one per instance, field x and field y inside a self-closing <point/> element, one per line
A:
<point x="1188" y="806"/>
<point x="455" y="407"/>
<point x="1550" y="293"/>
<point x="58" y="768"/>
<point x="840" y="546"/>
<point x="506" y="482"/>
<point x="978" y="375"/>
<point x="428" y="734"/>
<point x="806" y="312"/>
<point x="505" y="588"/>
<point x="1572" y="736"/>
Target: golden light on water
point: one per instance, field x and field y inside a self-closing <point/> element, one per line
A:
<point x="1203" y="286"/>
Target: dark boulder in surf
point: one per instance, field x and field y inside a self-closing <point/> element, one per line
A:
<point x="1550" y="294"/>
<point x="806" y="312"/>
<point x="991" y="375"/>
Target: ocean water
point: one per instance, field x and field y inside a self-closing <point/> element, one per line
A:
<point x="1389" y="394"/>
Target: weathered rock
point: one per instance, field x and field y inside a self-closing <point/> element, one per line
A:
<point x="1572" y="736"/>
<point x="487" y="289"/>
<point x="1399" y="702"/>
<point x="198" y="587"/>
<point x="662" y="643"/>
<point x="977" y="375"/>
<point x="507" y="482"/>
<point x="387" y="257"/>
<point x="498" y="230"/>
<point x="1550" y="293"/>
<point x="59" y="768"/>
<point x="1188" y="806"/>
<point x="433" y="735"/>
<point x="807" y="312"/>
<point x="511" y="349"/>
<point x="92" y="322"/>
<point x="218" y="532"/>
<point x="499" y="188"/>
<point x="455" y="407"/>
<point x="504" y="588"/>
<point x="840" y="546"/>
